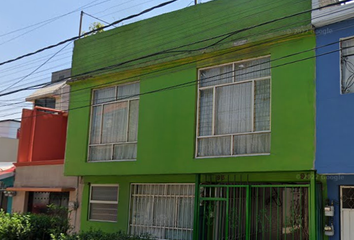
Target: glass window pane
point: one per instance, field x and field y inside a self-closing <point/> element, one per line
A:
<point x="133" y="121"/>
<point x="252" y="143"/>
<point x="233" y="109"/>
<point x="128" y="91"/>
<point x="103" y="212"/>
<point x="219" y="146"/>
<point x="98" y="153"/>
<point x="96" y="124"/>
<point x="262" y="105"/>
<point x="125" y="151"/>
<point x="205" y="112"/>
<point x="163" y="205"/>
<point x="252" y="69"/>
<point x="215" y="76"/>
<point x="104" y="95"/>
<point x="104" y="193"/>
<point x="347" y="66"/>
<point x="114" y="127"/>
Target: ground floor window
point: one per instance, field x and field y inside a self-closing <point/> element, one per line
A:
<point x="164" y="210"/>
<point x="103" y="202"/>
<point x="38" y="201"/>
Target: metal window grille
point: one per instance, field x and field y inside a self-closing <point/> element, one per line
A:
<point x="234" y="109"/>
<point x="114" y="123"/>
<point x="347" y="65"/>
<point x="264" y="212"/>
<point x="165" y="211"/>
<point x="103" y="203"/>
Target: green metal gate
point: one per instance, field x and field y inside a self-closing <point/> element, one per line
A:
<point x="245" y="212"/>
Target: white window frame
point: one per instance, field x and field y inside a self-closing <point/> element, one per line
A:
<point x="91" y="118"/>
<point x="213" y="117"/>
<point x="130" y="225"/>
<point x="341" y="66"/>
<point x="102" y="202"/>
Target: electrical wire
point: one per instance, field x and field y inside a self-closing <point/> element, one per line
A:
<point x="88" y="33"/>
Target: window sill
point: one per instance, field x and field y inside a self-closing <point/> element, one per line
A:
<point x="102" y="221"/>
<point x="233" y="156"/>
<point x="107" y="161"/>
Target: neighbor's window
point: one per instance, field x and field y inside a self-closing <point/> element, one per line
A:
<point x="234" y="109"/>
<point x="103" y="203"/>
<point x="166" y="211"/>
<point x="347" y="65"/>
<point x="114" y="123"/>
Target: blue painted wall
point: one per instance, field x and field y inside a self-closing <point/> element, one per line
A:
<point x="335" y="112"/>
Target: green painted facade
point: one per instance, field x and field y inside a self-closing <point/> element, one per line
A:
<point x="167" y="119"/>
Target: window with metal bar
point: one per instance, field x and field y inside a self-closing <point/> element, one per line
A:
<point x="114" y="123"/>
<point x="347" y="65"/>
<point x="103" y="202"/>
<point x="234" y="109"/>
<point x="165" y="211"/>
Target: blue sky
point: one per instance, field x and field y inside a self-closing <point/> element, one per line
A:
<point x="31" y="25"/>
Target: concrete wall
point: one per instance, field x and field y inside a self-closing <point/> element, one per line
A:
<point x="8" y="149"/>
<point x="49" y="176"/>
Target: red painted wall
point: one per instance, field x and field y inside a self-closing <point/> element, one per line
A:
<point x="42" y="136"/>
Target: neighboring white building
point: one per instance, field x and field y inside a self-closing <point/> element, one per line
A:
<point x="55" y="95"/>
<point x="8" y="128"/>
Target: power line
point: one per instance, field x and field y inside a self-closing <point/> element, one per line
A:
<point x="196" y="81"/>
<point x="35" y="69"/>
<point x="88" y="33"/>
<point x="37" y="85"/>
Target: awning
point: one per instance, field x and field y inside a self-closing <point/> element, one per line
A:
<point x="40" y="189"/>
<point x="47" y="91"/>
<point x="6" y="170"/>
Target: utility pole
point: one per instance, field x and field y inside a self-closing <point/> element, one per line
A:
<point x="195" y="2"/>
<point x="81" y="15"/>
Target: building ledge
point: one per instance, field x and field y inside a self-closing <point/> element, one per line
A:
<point x="40" y="189"/>
<point x="37" y="163"/>
<point x="334" y="14"/>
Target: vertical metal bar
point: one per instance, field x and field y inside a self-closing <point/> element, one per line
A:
<point x="313" y="206"/>
<point x="240" y="212"/>
<point x="263" y="222"/>
<point x="227" y="214"/>
<point x="248" y="212"/>
<point x="270" y="212"/>
<point x="256" y="213"/>
<point x="278" y="196"/>
<point x="293" y="210"/>
<point x="196" y="208"/>
<point x="203" y="223"/>
<point x="286" y="224"/>
<point x="301" y="217"/>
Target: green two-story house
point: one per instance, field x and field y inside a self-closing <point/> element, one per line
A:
<point x="198" y="124"/>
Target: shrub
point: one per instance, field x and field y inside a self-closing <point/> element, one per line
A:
<point x="34" y="226"/>
<point x="99" y="235"/>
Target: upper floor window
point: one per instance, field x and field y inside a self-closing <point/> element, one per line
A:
<point x="347" y="65"/>
<point x="114" y="123"/>
<point x="45" y="102"/>
<point x="234" y="109"/>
